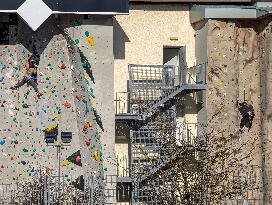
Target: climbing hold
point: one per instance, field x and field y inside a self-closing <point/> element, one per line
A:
<point x="67" y="105"/>
<point x="91" y="41"/>
<point x="91" y="92"/>
<point x="25" y="105"/>
<point x="62" y="66"/>
<point x="87" y="34"/>
<point x="91" y="124"/>
<point x="85" y="128"/>
<point x="66" y="164"/>
<point x="78" y="159"/>
<point x="75" y="158"/>
<point x="96" y="157"/>
<point x="79" y="97"/>
<point x="2" y="142"/>
<point x="25" y="150"/>
<point x="53" y="127"/>
<point x="88" y="142"/>
<point x="98" y="120"/>
<point x="84" y="100"/>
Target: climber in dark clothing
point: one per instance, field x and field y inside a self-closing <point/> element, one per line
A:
<point x="247" y="113"/>
<point x="30" y="77"/>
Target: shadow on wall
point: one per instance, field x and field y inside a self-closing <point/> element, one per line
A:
<point x="189" y="105"/>
<point x="40" y="38"/>
<point x="119" y="40"/>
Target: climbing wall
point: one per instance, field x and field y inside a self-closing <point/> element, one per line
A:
<point x="75" y="75"/>
<point x="233" y="78"/>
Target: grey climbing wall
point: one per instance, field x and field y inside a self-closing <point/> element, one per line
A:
<point x="75" y="75"/>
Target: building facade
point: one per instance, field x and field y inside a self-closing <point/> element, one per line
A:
<point x="168" y="102"/>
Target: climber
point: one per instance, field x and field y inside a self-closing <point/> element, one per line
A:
<point x="247" y="113"/>
<point x="30" y="76"/>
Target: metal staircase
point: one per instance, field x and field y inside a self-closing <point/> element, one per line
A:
<point x="164" y="99"/>
<point x="155" y="149"/>
<point x="154" y="86"/>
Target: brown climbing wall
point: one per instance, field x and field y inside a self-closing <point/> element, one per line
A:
<point x="234" y="77"/>
<point x="62" y="77"/>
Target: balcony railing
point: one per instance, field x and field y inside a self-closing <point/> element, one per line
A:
<point x="148" y="83"/>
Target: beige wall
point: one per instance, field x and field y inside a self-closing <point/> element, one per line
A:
<point x="139" y="38"/>
<point x="146" y="30"/>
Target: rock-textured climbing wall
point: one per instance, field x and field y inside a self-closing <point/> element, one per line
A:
<point x="75" y="75"/>
<point x="233" y="76"/>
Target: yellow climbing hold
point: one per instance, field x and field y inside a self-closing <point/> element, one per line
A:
<point x="96" y="155"/>
<point x="91" y="124"/>
<point x="66" y="164"/>
<point x="91" y="41"/>
<point x="51" y="128"/>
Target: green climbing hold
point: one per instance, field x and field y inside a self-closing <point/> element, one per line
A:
<point x="87" y="34"/>
<point x="14" y="120"/>
<point x="77" y="41"/>
<point x="91" y="92"/>
<point x="25" y="150"/>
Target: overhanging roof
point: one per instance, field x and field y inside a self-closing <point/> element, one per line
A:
<point x="192" y="1"/>
<point x="201" y="12"/>
<point x="35" y="12"/>
<point x="74" y="6"/>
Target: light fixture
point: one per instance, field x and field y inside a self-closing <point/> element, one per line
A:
<point x="66" y="137"/>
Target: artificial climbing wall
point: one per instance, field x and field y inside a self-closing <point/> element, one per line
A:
<point x="75" y="75"/>
<point x="234" y="76"/>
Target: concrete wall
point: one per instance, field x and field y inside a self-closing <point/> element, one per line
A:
<point x="139" y="37"/>
<point x="25" y="151"/>
<point x="201" y="44"/>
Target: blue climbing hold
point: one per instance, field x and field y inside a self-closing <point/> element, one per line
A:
<point x="2" y="142"/>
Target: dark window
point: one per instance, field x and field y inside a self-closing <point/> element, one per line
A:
<point x="123" y="190"/>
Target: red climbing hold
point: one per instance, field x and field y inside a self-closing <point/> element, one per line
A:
<point x="67" y="105"/>
<point x="85" y="128"/>
<point x="78" y="159"/>
<point x="79" y="97"/>
<point x="62" y="66"/>
<point x="88" y="142"/>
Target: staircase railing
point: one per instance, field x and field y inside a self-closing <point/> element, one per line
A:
<point x="148" y="83"/>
